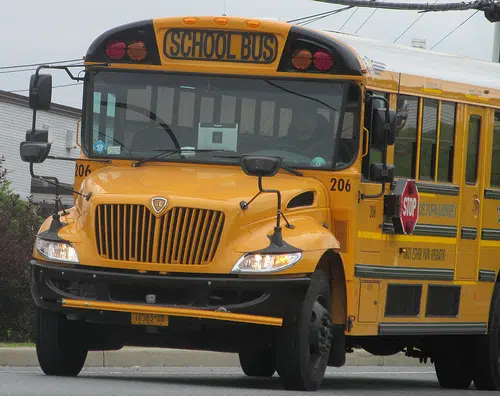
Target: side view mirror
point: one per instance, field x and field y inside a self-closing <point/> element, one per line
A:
<point x="383" y="133"/>
<point x="381" y="174"/>
<point x="38" y="135"/>
<point x="35" y="152"/>
<point x="40" y="96"/>
<point x="260" y="166"/>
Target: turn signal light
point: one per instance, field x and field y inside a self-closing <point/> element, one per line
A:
<point x="116" y="50"/>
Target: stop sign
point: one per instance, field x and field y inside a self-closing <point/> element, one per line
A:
<point x="406" y="209"/>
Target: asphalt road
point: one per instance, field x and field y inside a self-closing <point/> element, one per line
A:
<point x="218" y="381"/>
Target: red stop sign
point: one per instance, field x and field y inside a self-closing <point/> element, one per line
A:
<point x="408" y="205"/>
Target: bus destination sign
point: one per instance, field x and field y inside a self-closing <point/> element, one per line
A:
<point x="220" y="45"/>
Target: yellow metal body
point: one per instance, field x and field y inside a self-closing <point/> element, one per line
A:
<point x="354" y="230"/>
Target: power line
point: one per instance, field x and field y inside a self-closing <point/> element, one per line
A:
<point x="469" y="17"/>
<point x="367" y="19"/>
<point x="325" y="16"/>
<point x="38" y="64"/>
<point x="316" y="17"/>
<point x="350" y="16"/>
<point x="409" y="27"/>
<point x="55" y="86"/>
<point x="17" y="71"/>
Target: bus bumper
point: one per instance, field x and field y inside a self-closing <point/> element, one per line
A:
<point x="113" y="296"/>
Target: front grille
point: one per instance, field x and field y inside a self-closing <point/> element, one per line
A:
<point x="180" y="236"/>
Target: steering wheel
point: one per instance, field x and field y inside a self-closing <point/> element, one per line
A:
<point x="158" y="120"/>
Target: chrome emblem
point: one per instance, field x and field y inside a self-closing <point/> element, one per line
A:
<point x="158" y="204"/>
<point x="150" y="298"/>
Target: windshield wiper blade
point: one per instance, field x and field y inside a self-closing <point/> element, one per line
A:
<point x="156" y="156"/>
<point x="173" y="151"/>
<point x="284" y="167"/>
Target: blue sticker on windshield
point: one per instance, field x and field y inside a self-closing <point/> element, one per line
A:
<point x="99" y="146"/>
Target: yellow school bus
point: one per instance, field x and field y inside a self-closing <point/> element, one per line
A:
<point x="275" y="191"/>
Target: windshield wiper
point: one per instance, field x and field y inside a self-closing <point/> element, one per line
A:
<point x="284" y="167"/>
<point x="169" y="152"/>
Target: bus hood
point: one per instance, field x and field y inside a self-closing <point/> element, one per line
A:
<point x="210" y="187"/>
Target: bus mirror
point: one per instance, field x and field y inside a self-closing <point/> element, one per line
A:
<point x="38" y="135"/>
<point x="383" y="133"/>
<point x="382" y="173"/>
<point x="40" y="96"/>
<point x="260" y="166"/>
<point x="34" y="152"/>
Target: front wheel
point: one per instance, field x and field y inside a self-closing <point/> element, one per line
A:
<point x="258" y="363"/>
<point x="303" y="347"/>
<point x="60" y="347"/>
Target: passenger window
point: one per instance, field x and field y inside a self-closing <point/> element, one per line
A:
<point x="446" y="142"/>
<point x="495" y="160"/>
<point x="428" y="140"/>
<point x="405" y="148"/>
<point x="472" y="149"/>
<point x="375" y="152"/>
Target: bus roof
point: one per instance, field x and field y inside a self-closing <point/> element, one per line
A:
<point x="424" y="63"/>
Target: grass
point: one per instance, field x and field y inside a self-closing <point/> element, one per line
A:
<point x="16" y="344"/>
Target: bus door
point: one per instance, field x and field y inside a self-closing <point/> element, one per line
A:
<point x="469" y="231"/>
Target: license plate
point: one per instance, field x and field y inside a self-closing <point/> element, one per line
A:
<point x="149" y="319"/>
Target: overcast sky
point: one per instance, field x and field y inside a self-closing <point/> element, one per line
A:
<point x="35" y="31"/>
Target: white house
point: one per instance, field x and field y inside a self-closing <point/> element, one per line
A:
<point x="61" y="121"/>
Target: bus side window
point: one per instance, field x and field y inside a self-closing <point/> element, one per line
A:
<point x="447" y="142"/>
<point x="374" y="152"/>
<point x="405" y="148"/>
<point x="495" y="159"/>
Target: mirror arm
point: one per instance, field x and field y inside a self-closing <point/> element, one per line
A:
<point x="367" y="196"/>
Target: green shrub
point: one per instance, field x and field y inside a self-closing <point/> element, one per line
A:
<point x="19" y="223"/>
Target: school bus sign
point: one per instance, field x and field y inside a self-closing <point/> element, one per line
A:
<point x="402" y="204"/>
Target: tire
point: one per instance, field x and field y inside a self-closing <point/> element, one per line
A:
<point x="487" y="351"/>
<point x="260" y="363"/>
<point x="300" y="362"/>
<point x="60" y="345"/>
<point x="453" y="368"/>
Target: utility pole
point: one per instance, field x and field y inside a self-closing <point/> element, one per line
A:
<point x="496" y="44"/>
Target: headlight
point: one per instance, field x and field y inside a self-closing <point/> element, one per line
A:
<point x="57" y="251"/>
<point x="258" y="263"/>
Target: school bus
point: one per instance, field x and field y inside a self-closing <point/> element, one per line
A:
<point x="280" y="192"/>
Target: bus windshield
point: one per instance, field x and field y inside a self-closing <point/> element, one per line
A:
<point x="309" y="124"/>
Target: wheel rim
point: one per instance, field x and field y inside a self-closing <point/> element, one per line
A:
<point x="320" y="332"/>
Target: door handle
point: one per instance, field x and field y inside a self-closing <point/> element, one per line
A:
<point x="477" y="202"/>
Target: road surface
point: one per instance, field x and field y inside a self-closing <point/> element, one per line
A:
<point x="218" y="381"/>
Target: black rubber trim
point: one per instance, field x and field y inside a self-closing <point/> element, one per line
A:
<point x="490" y="234"/>
<point x="407" y="273"/>
<point x="468" y="233"/>
<point x="393" y="329"/>
<point x="489" y="193"/>
<point x="487" y="276"/>
<point x="440" y="189"/>
<point x="426" y="230"/>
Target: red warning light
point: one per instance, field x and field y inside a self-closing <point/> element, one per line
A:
<point x="323" y="61"/>
<point x="116" y="50"/>
<point x="301" y="59"/>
